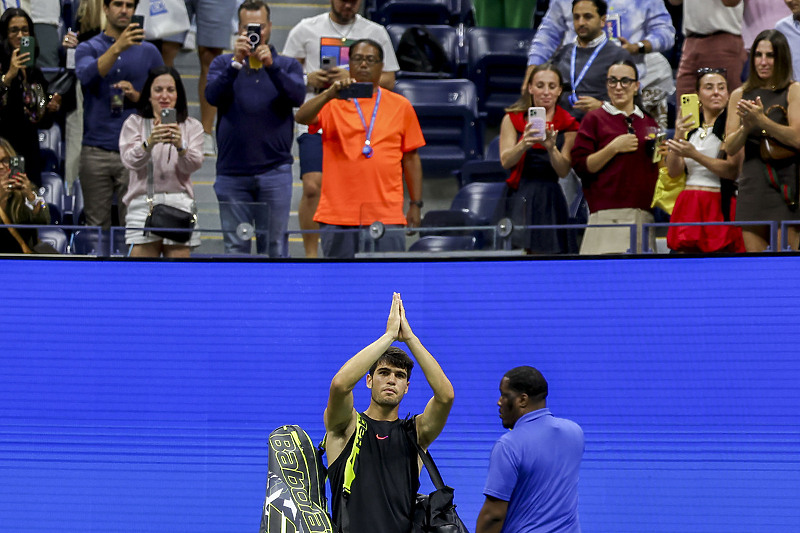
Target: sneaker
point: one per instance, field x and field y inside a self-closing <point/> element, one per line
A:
<point x="209" y="146"/>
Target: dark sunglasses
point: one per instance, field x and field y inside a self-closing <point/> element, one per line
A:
<point x="629" y="122"/>
<point x="708" y="70"/>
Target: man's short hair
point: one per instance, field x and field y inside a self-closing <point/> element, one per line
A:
<point x="601" y="5"/>
<point x="527" y="380"/>
<point x="252" y="5"/>
<point x="108" y="3"/>
<point x="395" y="357"/>
<point x="372" y="43"/>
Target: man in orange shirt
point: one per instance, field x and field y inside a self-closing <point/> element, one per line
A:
<point x="369" y="145"/>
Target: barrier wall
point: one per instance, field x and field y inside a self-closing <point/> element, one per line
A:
<point x="138" y="396"/>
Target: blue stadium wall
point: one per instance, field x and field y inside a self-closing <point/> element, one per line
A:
<point x="138" y="396"/>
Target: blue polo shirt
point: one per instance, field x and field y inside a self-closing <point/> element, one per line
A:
<point x="535" y="469"/>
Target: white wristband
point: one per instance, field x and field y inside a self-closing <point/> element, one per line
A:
<point x="235" y="64"/>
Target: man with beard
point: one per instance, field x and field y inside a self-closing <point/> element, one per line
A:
<point x="369" y="146"/>
<point x="532" y="484"/>
<point x="383" y="492"/>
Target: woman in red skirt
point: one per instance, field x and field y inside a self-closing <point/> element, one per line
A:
<point x="709" y="195"/>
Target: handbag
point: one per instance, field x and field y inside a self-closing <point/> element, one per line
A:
<point x="771" y="150"/>
<point x="165" y="220"/>
<point x="63" y="83"/>
<point x="163" y="18"/>
<point x="667" y="190"/>
<point x="435" y="512"/>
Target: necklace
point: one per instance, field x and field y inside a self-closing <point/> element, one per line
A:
<point x="704" y="130"/>
<point x="343" y="36"/>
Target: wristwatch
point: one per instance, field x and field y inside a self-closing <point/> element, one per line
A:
<point x="640" y="46"/>
<point x="418" y="203"/>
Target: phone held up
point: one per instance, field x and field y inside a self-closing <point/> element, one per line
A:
<point x="537" y="116"/>
<point x="253" y="35"/>
<point x="138" y="20"/>
<point x="361" y="89"/>
<point x="17" y="165"/>
<point x="690" y="106"/>
<point x="27" y="44"/>
<point x="327" y="62"/>
<point x="169" y="116"/>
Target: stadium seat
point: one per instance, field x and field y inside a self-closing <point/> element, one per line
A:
<point x="489" y="169"/>
<point x="55" y="237"/>
<point x="445" y="35"/>
<point x="498" y="58"/>
<point x="52" y="190"/>
<point x="443" y="243"/>
<point x="50" y="149"/>
<point x="73" y="205"/>
<point x="387" y="12"/>
<point x="91" y="242"/>
<point x="447" y="113"/>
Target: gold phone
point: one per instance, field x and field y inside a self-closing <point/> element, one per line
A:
<point x="690" y="106"/>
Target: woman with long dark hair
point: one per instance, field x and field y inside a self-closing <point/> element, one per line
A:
<point x="24" y="103"/>
<point x="537" y="160"/>
<point x="170" y="151"/>
<point x="766" y="110"/>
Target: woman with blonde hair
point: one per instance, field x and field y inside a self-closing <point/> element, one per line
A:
<point x="19" y="204"/>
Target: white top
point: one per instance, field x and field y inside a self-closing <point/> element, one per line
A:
<point x="705" y="18"/>
<point x="696" y="174"/>
<point x="318" y="36"/>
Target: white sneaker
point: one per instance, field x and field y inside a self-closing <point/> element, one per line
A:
<point x="209" y="146"/>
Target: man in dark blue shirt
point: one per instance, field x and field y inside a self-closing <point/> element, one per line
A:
<point x="112" y="68"/>
<point x="255" y="90"/>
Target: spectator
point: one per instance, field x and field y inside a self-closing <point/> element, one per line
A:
<point x="171" y="152"/>
<point x="585" y="61"/>
<point x="211" y="18"/>
<point x="789" y="26"/>
<point x="369" y="147"/>
<point x="766" y="106"/>
<point x="704" y="199"/>
<point x="713" y="29"/>
<point x="22" y="4"/>
<point x="254" y="167"/>
<point x="760" y="15"/>
<point x="328" y="35"/>
<point x="536" y="197"/>
<point x="24" y="102"/>
<point x="644" y="27"/>
<point x="19" y="204"/>
<point x="532" y="484"/>
<point x="616" y="169"/>
<point x="46" y="15"/>
<point x="112" y="68"/>
<point x="504" y="13"/>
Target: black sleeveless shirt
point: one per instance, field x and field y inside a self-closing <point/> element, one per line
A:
<point x="387" y="479"/>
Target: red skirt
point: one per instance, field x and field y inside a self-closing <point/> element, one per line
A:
<point x="703" y="206"/>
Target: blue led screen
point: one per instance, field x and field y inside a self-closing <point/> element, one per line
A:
<point x="138" y="396"/>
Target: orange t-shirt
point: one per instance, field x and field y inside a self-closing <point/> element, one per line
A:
<point x="358" y="191"/>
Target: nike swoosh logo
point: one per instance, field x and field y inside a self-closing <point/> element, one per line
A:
<point x="381" y="438"/>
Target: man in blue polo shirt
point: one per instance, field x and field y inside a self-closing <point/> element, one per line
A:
<point x="112" y="68"/>
<point x="532" y="485"/>
<point x="255" y="90"/>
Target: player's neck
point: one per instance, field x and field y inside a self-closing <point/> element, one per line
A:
<point x="381" y="412"/>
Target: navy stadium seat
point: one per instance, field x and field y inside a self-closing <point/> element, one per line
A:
<point x="489" y="169"/>
<point x="51" y="150"/>
<point x="443" y="243"/>
<point x="90" y="242"/>
<point x="52" y="190"/>
<point x="498" y="58"/>
<point x="447" y="113"/>
<point x="447" y="37"/>
<point x="73" y="205"/>
<point x="387" y="12"/>
<point x="55" y="237"/>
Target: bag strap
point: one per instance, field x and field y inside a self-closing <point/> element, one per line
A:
<point x="427" y="459"/>
<point x="148" y="128"/>
<point x="14" y="233"/>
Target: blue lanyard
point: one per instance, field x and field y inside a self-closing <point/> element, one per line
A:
<point x="573" y="97"/>
<point x="367" y="150"/>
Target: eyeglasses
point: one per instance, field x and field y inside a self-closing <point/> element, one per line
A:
<point x="708" y="70"/>
<point x="19" y="29"/>
<point x="5" y="162"/>
<point x="629" y="122"/>
<point x="625" y="82"/>
<point x="371" y="60"/>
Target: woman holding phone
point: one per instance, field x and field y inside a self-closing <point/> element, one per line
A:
<point x="709" y="192"/>
<point x="24" y="104"/>
<point x="164" y="140"/>
<point x="767" y="107"/>
<point x="538" y="154"/>
<point x="19" y="204"/>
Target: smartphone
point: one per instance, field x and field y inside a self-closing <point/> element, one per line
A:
<point x="361" y="89"/>
<point x="27" y="44"/>
<point x="328" y="62"/>
<point x="138" y="19"/>
<point x="660" y="138"/>
<point x="254" y="35"/>
<point x="690" y="106"/>
<point x="17" y="165"/>
<point x="537" y="116"/>
<point x="169" y="116"/>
